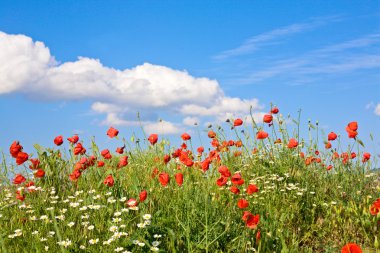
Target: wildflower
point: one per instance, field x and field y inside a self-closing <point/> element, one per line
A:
<point x="143" y="195"/>
<point x="242" y="203"/>
<point x="292" y="143"/>
<point x="332" y="136"/>
<point x="236" y="179"/>
<point x="223" y="170"/>
<point x="351" y="248"/>
<point x="164" y="178"/>
<point x="58" y="140"/>
<point x="268" y="118"/>
<point x="15" y="148"/>
<point x="261" y="135"/>
<point x="71" y="224"/>
<point x="106" y="154"/>
<point x="19" y="179"/>
<point x="147" y="216"/>
<point x="179" y="178"/>
<point x="109" y="181"/>
<point x="221" y="181"/>
<point x="112" y="132"/>
<point x="119" y="249"/>
<point x="366" y="157"/>
<point x="153" y="138"/>
<point x="132" y="202"/>
<point x="185" y="136"/>
<point x="252" y="188"/>
<point x="234" y="189"/>
<point x="123" y="161"/>
<point x="351" y="129"/>
<point x="238" y="122"/>
<point x="74" y="139"/>
<point x="113" y="228"/>
<point x="274" y="110"/>
<point x="94" y="241"/>
<point x="91" y="227"/>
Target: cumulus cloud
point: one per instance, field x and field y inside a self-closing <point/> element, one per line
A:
<point x="28" y="67"/>
<point x="163" y="127"/>
<point x="377" y="109"/>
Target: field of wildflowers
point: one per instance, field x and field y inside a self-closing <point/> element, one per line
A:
<point x="264" y="190"/>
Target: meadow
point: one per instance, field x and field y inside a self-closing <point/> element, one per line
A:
<point x="265" y="189"/>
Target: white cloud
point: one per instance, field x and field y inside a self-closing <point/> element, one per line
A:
<point x="163" y="127"/>
<point x="258" y="41"/>
<point x="28" y="67"/>
<point x="377" y="109"/>
<point x="190" y="121"/>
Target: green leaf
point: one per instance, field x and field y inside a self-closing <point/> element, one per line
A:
<point x="361" y="143"/>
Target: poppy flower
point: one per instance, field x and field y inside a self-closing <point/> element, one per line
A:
<point x="143" y="195"/>
<point x="75" y="175"/>
<point x="185" y="136"/>
<point x="205" y="164"/>
<point x="274" y="110"/>
<point x="20" y="196"/>
<point x="258" y="236"/>
<point x="106" y="154"/>
<point x="58" y="140"/>
<point x="79" y="149"/>
<point x="179" y="178"/>
<point x="351" y="248"/>
<point x="353" y="155"/>
<point x="211" y="134"/>
<point x="200" y="149"/>
<point x="74" y="139"/>
<point x="242" y="203"/>
<point x="112" y="132"/>
<point x="123" y="161"/>
<point x="238" y="122"/>
<point x="109" y="181"/>
<point x="329" y="167"/>
<point x="223" y="170"/>
<point x="40" y="173"/>
<point x="366" y="157"/>
<point x="268" y="118"/>
<point x="166" y="158"/>
<point x="252" y="188"/>
<point x="353" y="126"/>
<point x="19" y="179"/>
<point x="292" y="143"/>
<point x="237" y="179"/>
<point x="155" y="172"/>
<point x="261" y="135"/>
<point x="234" y="189"/>
<point x="328" y="145"/>
<point x="221" y="181"/>
<point x="164" y="178"/>
<point x="153" y="138"/>
<point x="239" y="143"/>
<point x="374" y="210"/>
<point x="351" y="133"/>
<point x="251" y="220"/>
<point x="332" y="136"/>
<point x="21" y="158"/>
<point x="35" y="164"/>
<point x="131" y="202"/>
<point x="15" y="148"/>
<point x="120" y="150"/>
<point x="100" y="164"/>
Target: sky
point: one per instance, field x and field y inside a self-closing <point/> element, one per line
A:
<point x="79" y="67"/>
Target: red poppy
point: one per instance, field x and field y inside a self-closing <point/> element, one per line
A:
<point x="205" y="164"/>
<point x="268" y="118"/>
<point x="274" y="110"/>
<point x="143" y="195"/>
<point x="79" y="149"/>
<point x="58" y="140"/>
<point x="106" y="154"/>
<point x="221" y="181"/>
<point x="353" y="155"/>
<point x="19" y="179"/>
<point x="211" y="134"/>
<point x="120" y="150"/>
<point x="15" y="148"/>
<point x="278" y="141"/>
<point x="374" y="210"/>
<point x="252" y="188"/>
<point x="166" y="158"/>
<point x="100" y="164"/>
<point x="258" y="236"/>
<point x="261" y="135"/>
<point x="200" y="149"/>
<point x="353" y="126"/>
<point x="329" y="167"/>
<point x="132" y="202"/>
<point x="39" y="173"/>
<point x="238" y="122"/>
<point x="20" y="196"/>
<point x="112" y="132"/>
<point x="123" y="161"/>
<point x="35" y="164"/>
<point x="332" y="136"/>
<point x="75" y="175"/>
<point x="328" y="145"/>
<point x="366" y="157"/>
<point x="164" y="178"/>
<point x="21" y="158"/>
<point x="153" y="138"/>
<point x="234" y="189"/>
<point x="223" y="170"/>
<point x="292" y="143"/>
<point x="179" y="178"/>
<point x="74" y="139"/>
<point x="351" y="248"/>
<point x="155" y="172"/>
<point x="251" y="220"/>
<point x="351" y="133"/>
<point x="185" y="136"/>
<point x="242" y="203"/>
<point x="109" y="181"/>
<point x="237" y="179"/>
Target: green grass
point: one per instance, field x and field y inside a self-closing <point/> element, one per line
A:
<point x="302" y="208"/>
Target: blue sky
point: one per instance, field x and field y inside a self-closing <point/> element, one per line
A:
<point x="80" y="66"/>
